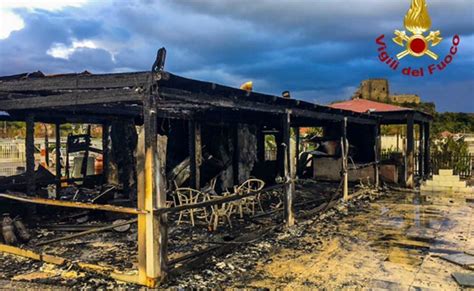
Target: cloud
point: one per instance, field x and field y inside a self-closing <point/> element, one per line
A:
<point x="61" y="51"/>
<point x="9" y="22"/>
<point x="319" y="50"/>
<point x="50" y="5"/>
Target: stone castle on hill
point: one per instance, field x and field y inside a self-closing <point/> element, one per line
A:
<point x="378" y="90"/>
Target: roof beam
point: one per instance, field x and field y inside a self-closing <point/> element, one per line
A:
<point x="77" y="82"/>
<point x="70" y="99"/>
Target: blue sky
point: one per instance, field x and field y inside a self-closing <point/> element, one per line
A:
<point x="319" y="50"/>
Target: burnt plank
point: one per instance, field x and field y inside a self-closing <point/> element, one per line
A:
<point x="77" y="81"/>
<point x="73" y="98"/>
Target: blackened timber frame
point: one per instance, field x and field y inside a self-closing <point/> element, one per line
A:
<point x="426" y="147"/>
<point x="30" y="154"/>
<point x="147" y="97"/>
<point x="195" y="153"/>
<point x="409" y="118"/>
<point x="288" y="167"/>
<point x="410" y="158"/>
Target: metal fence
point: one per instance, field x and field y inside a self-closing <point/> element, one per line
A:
<point x="461" y="164"/>
<point x="12" y="157"/>
<point x="12" y="152"/>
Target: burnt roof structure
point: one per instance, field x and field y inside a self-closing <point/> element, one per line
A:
<point x="147" y="98"/>
<point x="393" y="114"/>
<point x="96" y="98"/>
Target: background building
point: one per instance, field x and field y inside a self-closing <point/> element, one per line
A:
<point x="379" y="90"/>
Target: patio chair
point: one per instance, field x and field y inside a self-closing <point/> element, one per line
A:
<point x="187" y="196"/>
<point x="219" y="211"/>
<point x="248" y="203"/>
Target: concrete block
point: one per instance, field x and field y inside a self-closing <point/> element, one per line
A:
<point x="446" y="183"/>
<point x="445" y="172"/>
<point x="446" y="178"/>
<point x="434" y="183"/>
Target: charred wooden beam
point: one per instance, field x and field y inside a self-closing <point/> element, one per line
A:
<point x="377" y="146"/>
<point x="71" y="204"/>
<point x="107" y="271"/>
<point x="154" y="195"/>
<point x="85" y="158"/>
<point x="30" y="155"/>
<point x="57" y="133"/>
<point x="310" y="112"/>
<point x="105" y="151"/>
<point x="236" y="153"/>
<point x="89" y="231"/>
<point x="15" y="102"/>
<point x="288" y="168"/>
<point x="297" y="149"/>
<point x="54" y="115"/>
<point x="426" y="141"/>
<point x="46" y="145"/>
<point x="78" y="82"/>
<point x="195" y="153"/>
<point x="142" y="219"/>
<point x="410" y="164"/>
<point x="344" y="159"/>
<point x="421" y="168"/>
<point x="261" y="145"/>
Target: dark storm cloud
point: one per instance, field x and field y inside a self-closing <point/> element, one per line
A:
<point x="320" y="50"/>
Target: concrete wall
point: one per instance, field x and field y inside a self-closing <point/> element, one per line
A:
<point x="329" y="169"/>
<point x="390" y="142"/>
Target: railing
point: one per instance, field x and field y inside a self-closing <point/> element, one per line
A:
<point x="461" y="164"/>
<point x="12" y="152"/>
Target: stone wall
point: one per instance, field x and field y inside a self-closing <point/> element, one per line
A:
<point x="405" y="98"/>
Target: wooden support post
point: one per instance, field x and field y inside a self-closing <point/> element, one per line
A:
<point x="85" y="159"/>
<point x="261" y="145"/>
<point x="58" y="157"/>
<point x="30" y="155"/>
<point x="195" y="153"/>
<point x="46" y="145"/>
<point x="140" y="154"/>
<point x="280" y="153"/>
<point x="105" y="152"/>
<point x="288" y="168"/>
<point x="345" y="152"/>
<point x="377" y="155"/>
<point x="153" y="195"/>
<point x="409" y="183"/>
<point x="421" y="169"/>
<point x="236" y="153"/>
<point x="297" y="150"/>
<point x="426" y="139"/>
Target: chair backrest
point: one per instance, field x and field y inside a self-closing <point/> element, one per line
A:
<point x="251" y="185"/>
<point x="188" y="195"/>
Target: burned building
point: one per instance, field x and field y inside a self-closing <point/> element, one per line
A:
<point x="172" y="146"/>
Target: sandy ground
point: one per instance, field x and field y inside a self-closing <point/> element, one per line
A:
<point x="394" y="244"/>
